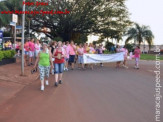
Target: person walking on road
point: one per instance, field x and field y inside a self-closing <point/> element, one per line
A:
<point x="80" y="51"/>
<point x="43" y="60"/>
<point x="31" y="52"/>
<point x="59" y="55"/>
<point x="137" y="53"/>
<point x="72" y="49"/>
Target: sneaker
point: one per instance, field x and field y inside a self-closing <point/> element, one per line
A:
<point x="42" y="88"/>
<point x="56" y="84"/>
<point x="126" y="67"/>
<point x="60" y="82"/>
<point x="47" y="82"/>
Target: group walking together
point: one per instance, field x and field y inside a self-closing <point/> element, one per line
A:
<point x="58" y="57"/>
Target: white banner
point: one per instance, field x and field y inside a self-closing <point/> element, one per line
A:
<point x="103" y="58"/>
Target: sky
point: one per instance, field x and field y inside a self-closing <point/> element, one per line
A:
<point x="149" y="13"/>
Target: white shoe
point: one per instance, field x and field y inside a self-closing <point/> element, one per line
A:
<point x="42" y="88"/>
<point x="126" y="67"/>
<point x="47" y="82"/>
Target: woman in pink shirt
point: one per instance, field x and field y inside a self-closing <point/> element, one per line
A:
<point x="72" y="49"/>
<point x="137" y="53"/>
<point x="31" y="52"/>
<point x="80" y="52"/>
<point x="26" y="52"/>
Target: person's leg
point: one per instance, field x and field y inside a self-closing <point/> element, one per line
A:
<point x="92" y="66"/>
<point x="72" y="66"/>
<point x="25" y="60"/>
<point x="61" y="67"/>
<point x="29" y="58"/>
<point x="79" y="61"/>
<point x="137" y="63"/>
<point x="67" y="64"/>
<point x="117" y="64"/>
<point x="42" y="75"/>
<point x="32" y="58"/>
<point x="56" y="67"/>
<point x="47" y="71"/>
<point x="82" y="62"/>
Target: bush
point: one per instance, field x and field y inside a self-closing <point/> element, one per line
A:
<point x="13" y="52"/>
<point x="106" y="52"/>
<point x="1" y="55"/>
<point x="7" y="54"/>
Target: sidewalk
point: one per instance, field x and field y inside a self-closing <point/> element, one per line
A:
<point x="11" y="82"/>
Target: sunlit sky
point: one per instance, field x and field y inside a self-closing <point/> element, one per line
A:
<point x="150" y="13"/>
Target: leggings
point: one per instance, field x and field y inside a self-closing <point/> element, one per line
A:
<point x="137" y="61"/>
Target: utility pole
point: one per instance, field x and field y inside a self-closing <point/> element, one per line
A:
<point x="22" y="58"/>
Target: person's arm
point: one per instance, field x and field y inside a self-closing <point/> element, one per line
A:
<point x="64" y="53"/>
<point x="51" y="61"/>
<point x="37" y="60"/>
<point x="54" y="54"/>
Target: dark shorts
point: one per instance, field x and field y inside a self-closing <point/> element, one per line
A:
<point x="72" y="59"/>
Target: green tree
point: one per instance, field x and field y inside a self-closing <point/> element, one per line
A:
<point x="9" y="5"/>
<point x="140" y="34"/>
<point x="86" y="16"/>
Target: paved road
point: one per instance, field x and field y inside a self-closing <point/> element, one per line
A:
<point x="102" y="95"/>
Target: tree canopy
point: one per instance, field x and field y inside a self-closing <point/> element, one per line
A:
<point x="85" y="17"/>
<point x="106" y="17"/>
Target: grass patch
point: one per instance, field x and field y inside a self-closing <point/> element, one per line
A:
<point x="149" y="57"/>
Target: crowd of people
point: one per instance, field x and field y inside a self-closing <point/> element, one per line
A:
<point x="57" y="57"/>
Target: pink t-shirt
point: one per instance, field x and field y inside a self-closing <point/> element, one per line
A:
<point x="137" y="53"/>
<point x="80" y="51"/>
<point x="125" y="52"/>
<point x="72" y="50"/>
<point x="37" y="47"/>
<point x="31" y="46"/>
<point x="26" y="46"/>
<point x="91" y="50"/>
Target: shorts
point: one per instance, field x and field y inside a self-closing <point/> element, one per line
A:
<point x="26" y="53"/>
<point x="72" y="59"/>
<point x="66" y="59"/>
<point x="31" y="54"/>
<point x="37" y="52"/>
<point x="58" y="68"/>
<point x="44" y="71"/>
<point x="80" y="59"/>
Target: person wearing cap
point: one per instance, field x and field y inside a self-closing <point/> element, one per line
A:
<point x="43" y="60"/>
